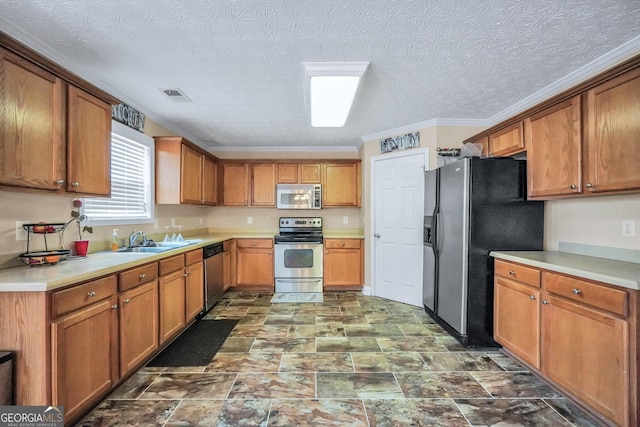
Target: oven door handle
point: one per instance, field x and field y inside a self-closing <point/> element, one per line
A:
<point x="298" y="280"/>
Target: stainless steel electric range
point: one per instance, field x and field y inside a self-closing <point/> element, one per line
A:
<point x="299" y="255"/>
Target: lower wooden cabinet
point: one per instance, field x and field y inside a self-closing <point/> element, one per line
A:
<point x="138" y="317"/>
<point x="84" y="355"/>
<point x="194" y="286"/>
<point x="172" y="304"/>
<point x="343" y="264"/>
<point x="254" y="263"/>
<point x="579" y="334"/>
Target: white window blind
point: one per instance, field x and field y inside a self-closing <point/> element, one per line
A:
<point x="131" y="200"/>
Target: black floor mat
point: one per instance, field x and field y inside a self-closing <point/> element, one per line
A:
<point x="197" y="345"/>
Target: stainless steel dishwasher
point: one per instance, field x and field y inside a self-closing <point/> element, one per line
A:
<point x="213" y="279"/>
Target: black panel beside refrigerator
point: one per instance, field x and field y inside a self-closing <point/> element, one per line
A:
<point x="473" y="206"/>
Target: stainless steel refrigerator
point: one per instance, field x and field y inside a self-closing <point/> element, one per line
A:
<point x="473" y="206"/>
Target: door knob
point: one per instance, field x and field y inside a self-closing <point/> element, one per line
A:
<point x="377" y="236"/>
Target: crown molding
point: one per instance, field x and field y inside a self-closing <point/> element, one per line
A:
<point x="424" y="125"/>
<point x="339" y="149"/>
<point x="609" y="60"/>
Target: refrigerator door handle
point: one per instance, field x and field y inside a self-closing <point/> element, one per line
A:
<point x="434" y="231"/>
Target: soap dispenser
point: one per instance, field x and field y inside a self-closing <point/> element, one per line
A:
<point x="114" y="240"/>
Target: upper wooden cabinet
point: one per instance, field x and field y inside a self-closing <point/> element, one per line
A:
<point x="263" y="184"/>
<point x="298" y="173"/>
<point x="37" y="108"/>
<point x="184" y="173"/>
<point x="235" y="181"/>
<point x="507" y="141"/>
<point x="341" y="184"/>
<point x="554" y="150"/>
<point x="88" y="144"/>
<point x="612" y="142"/>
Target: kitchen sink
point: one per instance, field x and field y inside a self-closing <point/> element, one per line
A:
<point x="147" y="249"/>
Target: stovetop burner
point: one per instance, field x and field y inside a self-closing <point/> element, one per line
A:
<point x="297" y="229"/>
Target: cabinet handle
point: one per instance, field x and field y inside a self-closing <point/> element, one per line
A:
<point x="143" y="275"/>
<point x="60" y="181"/>
<point x="127" y="301"/>
<point x="573" y="186"/>
<point x="75" y="184"/>
<point x="532" y="297"/>
<point x="91" y="294"/>
<point x="589" y="185"/>
<point x="511" y="272"/>
<point x="576" y="291"/>
<point x="545" y="302"/>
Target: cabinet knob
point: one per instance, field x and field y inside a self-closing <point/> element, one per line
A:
<point x="532" y="297"/>
<point x="254" y="243"/>
<point x="114" y="306"/>
<point x="545" y="302"/>
<point x="511" y="272"/>
<point x="589" y="185"/>
<point x="127" y="301"/>
<point x="60" y="181"/>
<point x="188" y="273"/>
<point x="490" y="154"/>
<point x="75" y="184"/>
<point x="143" y="275"/>
<point x="576" y="291"/>
<point x="342" y="244"/>
<point x="573" y="186"/>
<point x="91" y="294"/>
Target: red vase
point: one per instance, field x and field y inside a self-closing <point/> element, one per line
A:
<point x="82" y="246"/>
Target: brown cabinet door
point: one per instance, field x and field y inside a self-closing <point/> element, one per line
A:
<point x="309" y="173"/>
<point x="507" y="141"/>
<point x="235" y="184"/>
<point x="263" y="184"/>
<point x="586" y="352"/>
<point x="343" y="267"/>
<point x="209" y="181"/>
<point x="84" y="353"/>
<point x="88" y="144"/>
<point x="287" y="173"/>
<point x="194" y="302"/>
<point x="554" y="150"/>
<point x="172" y="304"/>
<point x="255" y="266"/>
<point x="138" y="325"/>
<point x="191" y="176"/>
<point x="340" y="184"/>
<point x="517" y="319"/>
<point x="613" y="134"/>
<point x="32" y="152"/>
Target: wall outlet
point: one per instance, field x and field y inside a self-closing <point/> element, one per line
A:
<point x="173" y="222"/>
<point x="249" y="220"/>
<point x="628" y="228"/>
<point x="200" y="220"/>
<point x="21" y="233"/>
<point x="155" y="224"/>
<point x="345" y="220"/>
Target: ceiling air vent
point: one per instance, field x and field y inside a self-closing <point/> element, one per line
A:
<point x="176" y="95"/>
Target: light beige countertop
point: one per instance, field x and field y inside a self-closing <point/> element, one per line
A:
<point x="619" y="273"/>
<point x="338" y="233"/>
<point x="75" y="270"/>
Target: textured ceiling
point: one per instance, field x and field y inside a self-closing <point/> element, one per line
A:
<point x="240" y="61"/>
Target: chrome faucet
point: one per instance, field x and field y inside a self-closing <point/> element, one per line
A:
<point x="134" y="236"/>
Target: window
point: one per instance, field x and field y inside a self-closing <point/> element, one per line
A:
<point x="132" y="190"/>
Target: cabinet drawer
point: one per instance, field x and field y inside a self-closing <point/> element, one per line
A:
<point x="168" y="265"/>
<point x="255" y="243"/>
<point x="342" y="243"/>
<point x="80" y="296"/>
<point x="612" y="300"/>
<point x="137" y="276"/>
<point x="527" y="275"/>
<point x="193" y="257"/>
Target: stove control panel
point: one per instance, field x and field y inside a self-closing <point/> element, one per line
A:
<point x="297" y="222"/>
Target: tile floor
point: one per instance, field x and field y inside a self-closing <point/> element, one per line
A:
<point x="352" y="360"/>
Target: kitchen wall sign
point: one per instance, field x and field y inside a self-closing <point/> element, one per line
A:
<point x="129" y="116"/>
<point x="402" y="142"/>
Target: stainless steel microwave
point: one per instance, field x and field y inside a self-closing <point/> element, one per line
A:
<point x="299" y="196"/>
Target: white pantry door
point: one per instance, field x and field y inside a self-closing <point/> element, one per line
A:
<point x="398" y="215"/>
